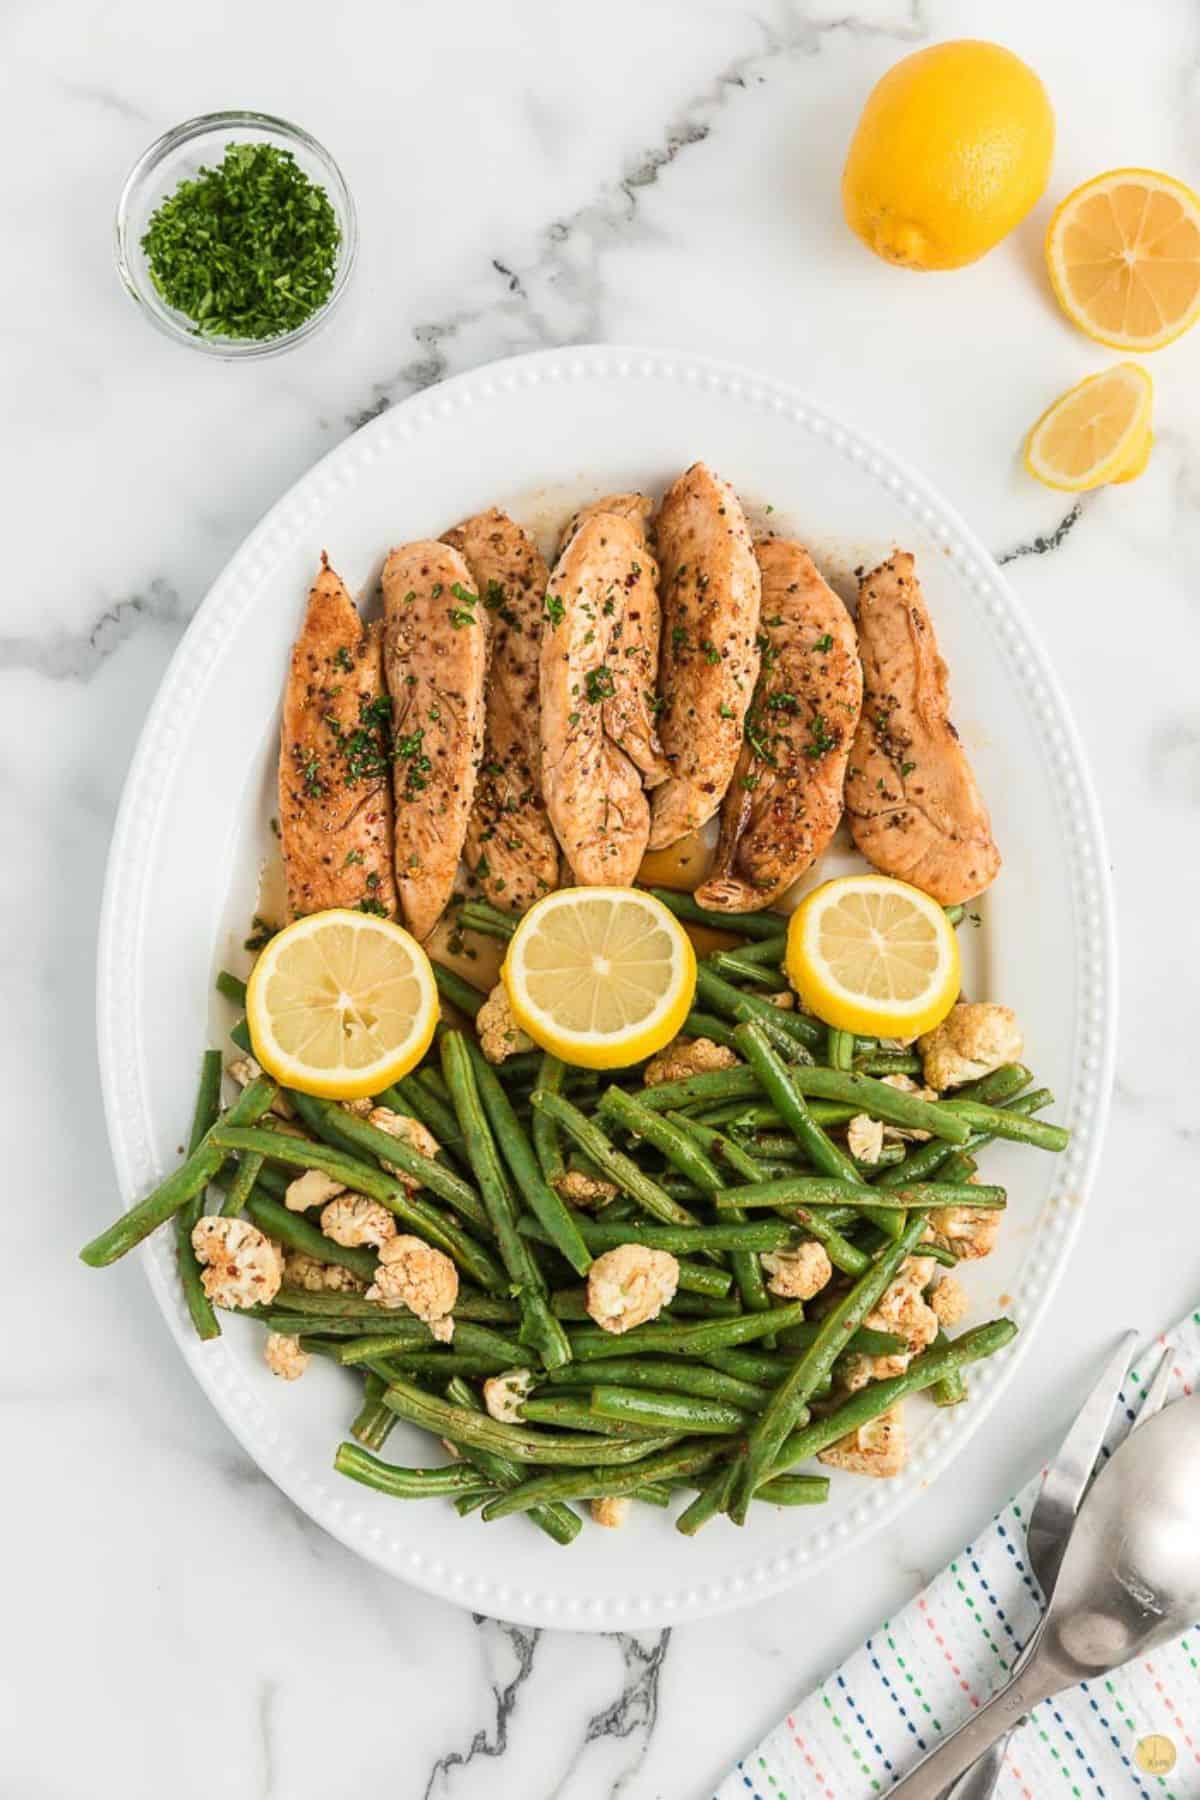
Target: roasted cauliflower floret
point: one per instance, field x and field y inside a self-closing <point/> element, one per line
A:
<point x="301" y="1271"/>
<point x="412" y="1273"/>
<point x="969" y="1231"/>
<point x="785" y="1000"/>
<point x="864" y="1136"/>
<point x="245" y="1070"/>
<point x="973" y="1039"/>
<point x="879" y="1448"/>
<point x="687" y="1056"/>
<point x="611" y="1510"/>
<point x="950" y="1301"/>
<point x="352" y="1219"/>
<point x="284" y="1356"/>
<point x="242" y="1267"/>
<point x="358" y="1109"/>
<point x="499" y="1034"/>
<point x="903" y="1311"/>
<point x="405" y="1131"/>
<point x="505" y="1394"/>
<point x="630" y="1285"/>
<point x="585" y="1190"/>
<point x="800" y="1273"/>
<point x="313" y="1188"/>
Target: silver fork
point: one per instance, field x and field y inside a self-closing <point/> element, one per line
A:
<point x="1054" y="1511"/>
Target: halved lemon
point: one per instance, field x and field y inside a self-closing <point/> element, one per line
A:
<point x="1098" y="431"/>
<point x="1123" y="253"/>
<point x="341" y="1004"/>
<point x="869" y="954"/>
<point x="600" y="976"/>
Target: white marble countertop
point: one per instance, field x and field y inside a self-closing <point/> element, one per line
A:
<point x="661" y="172"/>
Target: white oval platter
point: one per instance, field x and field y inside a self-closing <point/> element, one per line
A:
<point x="537" y="435"/>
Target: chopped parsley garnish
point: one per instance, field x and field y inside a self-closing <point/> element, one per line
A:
<point x="247" y="249"/>
<point x="352" y="857"/>
<point x="459" y="616"/>
<point x="574" y="718"/>
<point x="310" y="775"/>
<point x="343" y="659"/>
<point x="711" y="653"/>
<point x="906" y="768"/>
<point x="436" y="590"/>
<point x="782" y="703"/>
<point x="375" y="907"/>
<point x="409" y="751"/>
<point x="463" y="594"/>
<point x="726" y="712"/>
<point x="493" y="595"/>
<point x="820" y="740"/>
<point x="554" y="609"/>
<point x="261" y="932"/>
<point x="824" y="644"/>
<point x="678" y="636"/>
<point x="598" y="684"/>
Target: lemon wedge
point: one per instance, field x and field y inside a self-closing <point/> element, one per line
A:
<point x="1098" y="431"/>
<point x="1123" y="253"/>
<point x="341" y="1004"/>
<point x="602" y="977"/>
<point x="869" y="954"/>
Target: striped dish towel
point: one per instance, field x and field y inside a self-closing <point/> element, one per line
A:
<point x="1136" y="1732"/>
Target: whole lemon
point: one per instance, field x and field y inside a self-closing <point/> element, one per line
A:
<point x="952" y="149"/>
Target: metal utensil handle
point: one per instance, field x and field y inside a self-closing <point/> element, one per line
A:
<point x="979" y="1782"/>
<point x="960" y="1751"/>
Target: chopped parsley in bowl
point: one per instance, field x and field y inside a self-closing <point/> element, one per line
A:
<point x="236" y="233"/>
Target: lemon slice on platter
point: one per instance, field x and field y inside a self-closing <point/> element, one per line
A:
<point x="869" y="954"/>
<point x="602" y="977"/>
<point x="1123" y="253"/>
<point x="1098" y="431"/>
<point x="341" y="1004"/>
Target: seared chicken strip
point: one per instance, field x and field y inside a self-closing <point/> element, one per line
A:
<point x="593" y="789"/>
<point x="435" y="661"/>
<point x="785" y="800"/>
<point x="510" y="843"/>
<point x="709" y="661"/>
<point x="630" y="711"/>
<point x="914" y="807"/>
<point x="335" y="804"/>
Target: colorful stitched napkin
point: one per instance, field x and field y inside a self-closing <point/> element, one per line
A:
<point x="1136" y="1732"/>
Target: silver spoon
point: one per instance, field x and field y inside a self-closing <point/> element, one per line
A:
<point x="1130" y="1580"/>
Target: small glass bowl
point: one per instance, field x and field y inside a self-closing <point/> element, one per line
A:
<point x="177" y="156"/>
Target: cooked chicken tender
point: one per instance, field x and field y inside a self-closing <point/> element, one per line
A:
<point x="686" y="1056"/>
<point x="435" y="660"/>
<point x="593" y="786"/>
<point x="914" y="807"/>
<point x="495" y="1023"/>
<point x="710" y="587"/>
<point x="784" y="802"/>
<point x="630" y="1285"/>
<point x="800" y="1273"/>
<point x="510" y="844"/>
<point x="879" y="1448"/>
<point x="335" y="808"/>
<point x="242" y="1267"/>
<point x="504" y="1395"/>
<point x="284" y="1357"/>
<point x="634" y="506"/>
<point x="412" y="1273"/>
<point x="975" y="1038"/>
<point x="352" y="1220"/>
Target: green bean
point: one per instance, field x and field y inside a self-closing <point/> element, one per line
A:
<point x="232" y="987"/>
<point x="804" y="1034"/>
<point x="192" y="1177"/>
<point x="823" y="1190"/>
<point x="733" y="967"/>
<point x="679" y="1149"/>
<point x="539" y="1328"/>
<point x="575" y="1414"/>
<point x="748" y="925"/>
<point x="924" y="1161"/>
<point x="205" y="1115"/>
<point x="710" y="1088"/>
<point x="866" y="1341"/>
<point x="747" y="1116"/>
<point x="667" y="1411"/>
<point x="1002" y="1122"/>
<point x="1002" y="1084"/>
<point x="923" y="1372"/>
<point x="558" y="1522"/>
<point x="724" y="1153"/>
<point x="475" y="1340"/>
<point x="475" y="915"/>
<point x="411" y="1096"/>
<point x="358" y="1137"/>
<point x="876" y="1098"/>
<point x="613" y="1163"/>
<point x="956" y="913"/>
<point x="677" y="1377"/>
<point x="239" y="1034"/>
<point x="547" y="1140"/>
<point x="952" y="1389"/>
<point x="546" y="1205"/>
<point x="405" y="1484"/>
<point x="461" y="995"/>
<point x="521" y="1443"/>
<point x="883" y="1062"/>
<point x="957" y="1168"/>
<point x="712" y="1499"/>
<point x="373" y="1423"/>
<point x="797" y="1387"/>
<point x="707" y="1025"/>
<point x="361" y="1178"/>
<point x="681" y="1240"/>
<point x="301" y="1324"/>
<point x="794" y="1490"/>
<point x="692" y="1341"/>
<point x="433" y="1365"/>
<point x="295" y="1232"/>
<point x="682" y="1459"/>
<point x="348" y="1308"/>
<point x="840" y="1051"/>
